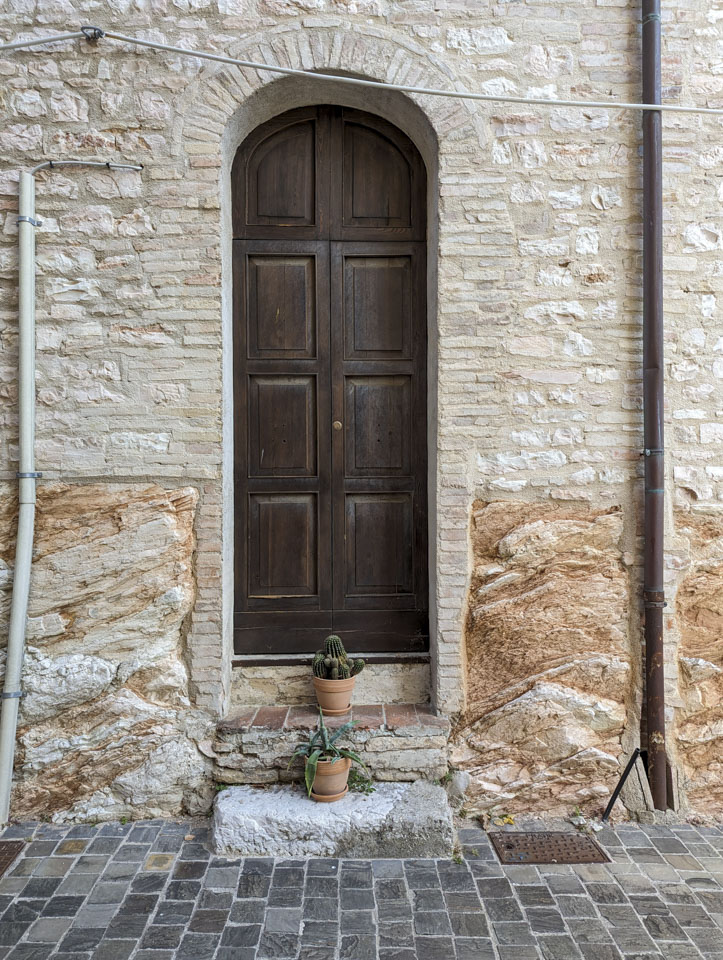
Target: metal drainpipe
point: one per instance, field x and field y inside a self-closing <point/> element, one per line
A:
<point x="26" y="483"/>
<point x="653" y="386"/>
<point x="26" y="474"/>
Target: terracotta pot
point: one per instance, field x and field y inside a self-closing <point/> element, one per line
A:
<point x="334" y="696"/>
<point x="330" y="780"/>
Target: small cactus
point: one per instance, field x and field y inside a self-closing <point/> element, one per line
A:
<point x="335" y="648"/>
<point x="332" y="663"/>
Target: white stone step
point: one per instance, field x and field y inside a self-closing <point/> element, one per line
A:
<point x="397" y="820"/>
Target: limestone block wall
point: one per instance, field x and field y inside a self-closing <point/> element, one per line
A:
<point x="535" y="323"/>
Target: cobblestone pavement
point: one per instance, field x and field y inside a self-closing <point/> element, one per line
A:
<point x="152" y="891"/>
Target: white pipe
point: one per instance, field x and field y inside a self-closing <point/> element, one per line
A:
<point x="95" y="33"/>
<point x="26" y="484"/>
<point x="26" y="469"/>
<point x="56" y="38"/>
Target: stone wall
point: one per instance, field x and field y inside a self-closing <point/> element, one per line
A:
<point x="378" y="683"/>
<point x="548" y="657"/>
<point x="534" y="327"/>
<point x="107" y="728"/>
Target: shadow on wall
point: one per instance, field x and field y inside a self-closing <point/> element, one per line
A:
<point x="548" y="657"/>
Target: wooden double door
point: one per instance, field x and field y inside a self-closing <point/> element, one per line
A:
<point x="330" y="386"/>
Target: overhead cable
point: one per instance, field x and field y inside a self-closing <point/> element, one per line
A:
<point x="94" y="33"/>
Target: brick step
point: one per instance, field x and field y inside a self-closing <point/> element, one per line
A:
<point x="397" y="742"/>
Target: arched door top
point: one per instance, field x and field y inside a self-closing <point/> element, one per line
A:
<point x="283" y="177"/>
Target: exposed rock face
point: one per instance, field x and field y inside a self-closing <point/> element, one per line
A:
<point x="699" y="612"/>
<point x="106" y="725"/>
<point x="547" y="657"/>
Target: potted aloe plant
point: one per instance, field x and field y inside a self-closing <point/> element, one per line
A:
<point x="334" y="676"/>
<point x="326" y="764"/>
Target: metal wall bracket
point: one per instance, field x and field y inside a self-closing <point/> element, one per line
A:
<point x="27" y="476"/>
<point x="653" y="451"/>
<point x="92" y="33"/>
<point x="35" y="223"/>
<point x="11" y="696"/>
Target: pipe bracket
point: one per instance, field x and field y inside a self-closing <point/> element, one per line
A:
<point x="34" y="223"/>
<point x="654" y="598"/>
<point x="653" y="451"/>
<point x="92" y="33"/>
<point x="11" y="696"/>
<point x="27" y="476"/>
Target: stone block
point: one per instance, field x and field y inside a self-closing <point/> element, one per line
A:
<point x="397" y="820"/>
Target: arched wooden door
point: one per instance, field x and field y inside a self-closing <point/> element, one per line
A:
<point x="330" y="385"/>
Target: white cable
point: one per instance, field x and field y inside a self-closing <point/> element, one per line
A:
<point x="378" y="84"/>
<point x="423" y="91"/>
<point x="21" y="44"/>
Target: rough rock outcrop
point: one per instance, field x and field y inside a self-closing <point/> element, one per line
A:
<point x="547" y="657"/>
<point x="699" y="614"/>
<point x="106" y="725"/>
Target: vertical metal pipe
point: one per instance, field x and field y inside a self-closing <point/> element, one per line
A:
<point x="653" y="587"/>
<point x="26" y="484"/>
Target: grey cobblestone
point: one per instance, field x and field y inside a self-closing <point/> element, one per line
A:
<point x="190" y="905"/>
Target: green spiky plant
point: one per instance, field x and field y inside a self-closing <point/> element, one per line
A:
<point x="322" y="745"/>
<point x="333" y="663"/>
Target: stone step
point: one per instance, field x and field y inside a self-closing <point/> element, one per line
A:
<point x="400" y="742"/>
<point x="396" y="820"/>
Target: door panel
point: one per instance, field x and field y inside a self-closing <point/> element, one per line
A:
<point x="378" y="418"/>
<point x="378" y="180"/>
<point x="281" y="314"/>
<point x="377" y="308"/>
<point x="282" y="529"/>
<point x="330" y="386"/>
<point x="380" y="546"/>
<point x="280" y="178"/>
<point x="282" y="426"/>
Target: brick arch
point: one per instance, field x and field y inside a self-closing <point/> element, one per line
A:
<point x="218" y="109"/>
<point x="219" y="92"/>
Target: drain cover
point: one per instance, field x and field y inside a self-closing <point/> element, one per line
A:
<point x="547" y="848"/>
<point x="9" y="849"/>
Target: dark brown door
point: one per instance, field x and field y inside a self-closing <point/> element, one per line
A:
<point x="330" y="386"/>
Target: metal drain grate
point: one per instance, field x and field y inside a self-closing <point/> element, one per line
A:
<point x="9" y="850"/>
<point x="547" y="848"/>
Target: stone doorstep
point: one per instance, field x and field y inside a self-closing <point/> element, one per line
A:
<point x="398" y="741"/>
<point x="398" y="820"/>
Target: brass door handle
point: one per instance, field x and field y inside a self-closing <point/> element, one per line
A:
<point x="337" y="424"/>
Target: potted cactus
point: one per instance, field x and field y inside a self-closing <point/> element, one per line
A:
<point x="334" y="676"/>
<point x="326" y="764"/>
